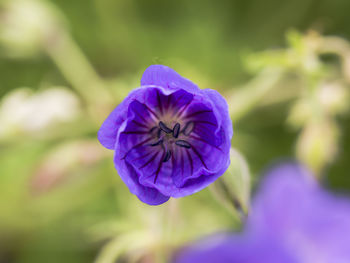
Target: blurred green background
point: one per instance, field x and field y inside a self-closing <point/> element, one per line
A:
<point x="283" y="66"/>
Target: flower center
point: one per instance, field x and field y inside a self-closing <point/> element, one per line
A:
<point x="167" y="138"/>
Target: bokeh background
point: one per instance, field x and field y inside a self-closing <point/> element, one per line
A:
<point x="283" y="66"/>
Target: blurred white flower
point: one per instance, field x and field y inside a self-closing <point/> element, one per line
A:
<point x="26" y="25"/>
<point x="333" y="97"/>
<point x="23" y="111"/>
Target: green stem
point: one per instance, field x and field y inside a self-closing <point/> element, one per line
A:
<point x="77" y="70"/>
<point x="242" y="101"/>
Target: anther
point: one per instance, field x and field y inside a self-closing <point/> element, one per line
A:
<point x="183" y="143"/>
<point x="157" y="143"/>
<point x="188" y="128"/>
<point x="176" y="130"/>
<point x="153" y="131"/>
<point x="164" y="127"/>
<point x="167" y="156"/>
<point x="159" y="133"/>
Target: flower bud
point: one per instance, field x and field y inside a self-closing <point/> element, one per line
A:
<point x="317" y="144"/>
<point x="233" y="188"/>
<point x="25" y="112"/>
<point x="300" y="113"/>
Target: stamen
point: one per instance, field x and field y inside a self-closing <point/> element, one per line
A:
<point x="183" y="143"/>
<point x="159" y="133"/>
<point x="164" y="127"/>
<point x="167" y="156"/>
<point x="153" y="129"/>
<point x="188" y="128"/>
<point x="176" y="130"/>
<point x="157" y="143"/>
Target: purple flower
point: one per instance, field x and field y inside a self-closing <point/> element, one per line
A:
<point x="170" y="138"/>
<point x="292" y="220"/>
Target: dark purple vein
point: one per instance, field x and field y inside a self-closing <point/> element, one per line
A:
<point x="179" y="98"/>
<point x="197" y="113"/>
<point x="204" y="141"/>
<point x="199" y="156"/>
<point x="135" y="132"/>
<point x="159" y="167"/>
<point x="159" y="102"/>
<point x="140" y="157"/>
<point x="138" y="113"/>
<point x="168" y="101"/>
<point x="182" y="164"/>
<point x="140" y="124"/>
<point x="191" y="160"/>
<point x="151" y="111"/>
<point x="183" y="108"/>
<point x="150" y="160"/>
<point x="206" y="122"/>
<point x="137" y="145"/>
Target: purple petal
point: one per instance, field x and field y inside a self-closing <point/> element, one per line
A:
<point x="292" y="209"/>
<point x="107" y="134"/>
<point x="229" y="249"/>
<point x="292" y="220"/>
<point x="220" y="109"/>
<point x="147" y="195"/>
<point x="286" y="188"/>
<point x="184" y="166"/>
<point x="166" y="179"/>
<point x="166" y="77"/>
<point x="160" y="103"/>
<point x="137" y="130"/>
<point x="200" y="160"/>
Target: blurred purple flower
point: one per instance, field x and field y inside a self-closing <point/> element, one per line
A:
<point x="292" y="220"/>
<point x="171" y="139"/>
